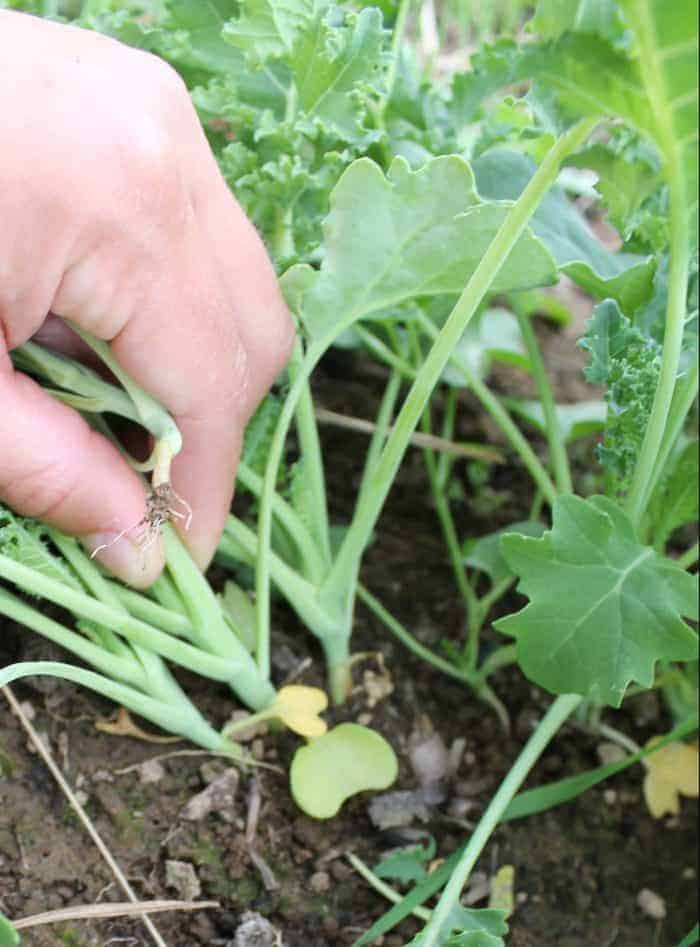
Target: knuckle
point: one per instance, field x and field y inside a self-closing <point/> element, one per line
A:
<point x="42" y="493"/>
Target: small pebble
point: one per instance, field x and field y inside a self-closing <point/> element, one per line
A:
<point x="320" y="882"/>
<point x="652" y="904"/>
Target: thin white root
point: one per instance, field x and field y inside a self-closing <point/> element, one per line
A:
<point x="160" y="509"/>
<point x="112" y="541"/>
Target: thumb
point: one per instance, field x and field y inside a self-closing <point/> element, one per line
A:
<point x="53" y="466"/>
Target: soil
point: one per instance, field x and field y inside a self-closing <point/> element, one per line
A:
<point x="579" y="868"/>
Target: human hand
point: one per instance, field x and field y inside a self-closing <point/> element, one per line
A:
<point x="114" y="215"/>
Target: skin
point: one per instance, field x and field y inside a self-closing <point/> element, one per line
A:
<point x="115" y="215"/>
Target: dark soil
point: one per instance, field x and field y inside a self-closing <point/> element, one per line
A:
<point x="578" y="868"/>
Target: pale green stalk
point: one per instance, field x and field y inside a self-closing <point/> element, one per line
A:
<point x="683" y="398"/>
<point x="314" y="566"/>
<point x="407" y="639"/>
<point x="500" y="415"/>
<point x="171" y="717"/>
<point x="213" y="632"/>
<point x="307" y="433"/>
<point x="654" y="86"/>
<point x="555" y="438"/>
<point x="562" y="708"/>
<point x="132" y="629"/>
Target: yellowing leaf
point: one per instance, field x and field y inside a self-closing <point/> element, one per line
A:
<point x="502" y="890"/>
<point x="298" y="708"/>
<point x="671" y="771"/>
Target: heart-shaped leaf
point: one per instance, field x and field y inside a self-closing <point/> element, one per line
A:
<point x="346" y="760"/>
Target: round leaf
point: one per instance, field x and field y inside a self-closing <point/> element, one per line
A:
<point x="346" y="760"/>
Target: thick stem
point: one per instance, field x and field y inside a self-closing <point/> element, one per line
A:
<point x="655" y="88"/>
<point x="514" y="225"/>
<point x="683" y="399"/>
<point x="562" y="708"/>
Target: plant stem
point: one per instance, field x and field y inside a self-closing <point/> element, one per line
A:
<point x="655" y="85"/>
<point x="500" y="415"/>
<point x="683" y="398"/>
<point x="562" y="707"/>
<point x="370" y="505"/>
<point x="384" y="418"/>
<point x="557" y="447"/>
<point x="288" y="517"/>
<point x="307" y="432"/>
<point x="213" y="632"/>
<point x="407" y="639"/>
<point x="381" y="887"/>
<point x="138" y="632"/>
<point x="241" y="543"/>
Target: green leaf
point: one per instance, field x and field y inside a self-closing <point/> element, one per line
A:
<point x="625" y="180"/>
<point x="675" y="501"/>
<point x="485" y="553"/>
<point x="600" y="17"/>
<point x="469" y="927"/>
<point x="532" y="801"/>
<point x="693" y="937"/>
<point x="628" y="362"/>
<point x="603" y="608"/>
<point x="9" y="937"/>
<point x="193" y="34"/>
<point x="406" y="864"/>
<point x="389" y="239"/>
<point x="269" y="29"/>
<point x="346" y="760"/>
<point x="23" y="540"/>
<point x="575" y="420"/>
<point x="654" y="90"/>
<point x="331" y="63"/>
<point x="502" y="174"/>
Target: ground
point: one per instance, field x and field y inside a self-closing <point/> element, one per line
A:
<point x="578" y="869"/>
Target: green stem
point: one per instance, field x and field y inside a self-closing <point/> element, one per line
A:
<point x="500" y="415"/>
<point x="172" y="718"/>
<point x="211" y="627"/>
<point x="372" y="501"/>
<point x="454" y="548"/>
<point x="496" y="592"/>
<point x="115" y="665"/>
<point x="287" y="516"/>
<point x="145" y="609"/>
<point x="240" y="543"/>
<point x="683" y="398"/>
<point x="562" y="708"/>
<point x="382" y="351"/>
<point x="307" y="433"/>
<point x="381" y="887"/>
<point x="132" y="629"/>
<point x="407" y="639"/>
<point x="384" y="419"/>
<point x="654" y="84"/>
<point x="555" y="438"/>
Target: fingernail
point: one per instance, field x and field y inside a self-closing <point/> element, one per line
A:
<point x="136" y="565"/>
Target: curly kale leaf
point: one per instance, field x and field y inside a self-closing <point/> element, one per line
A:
<point x="628" y="362"/>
